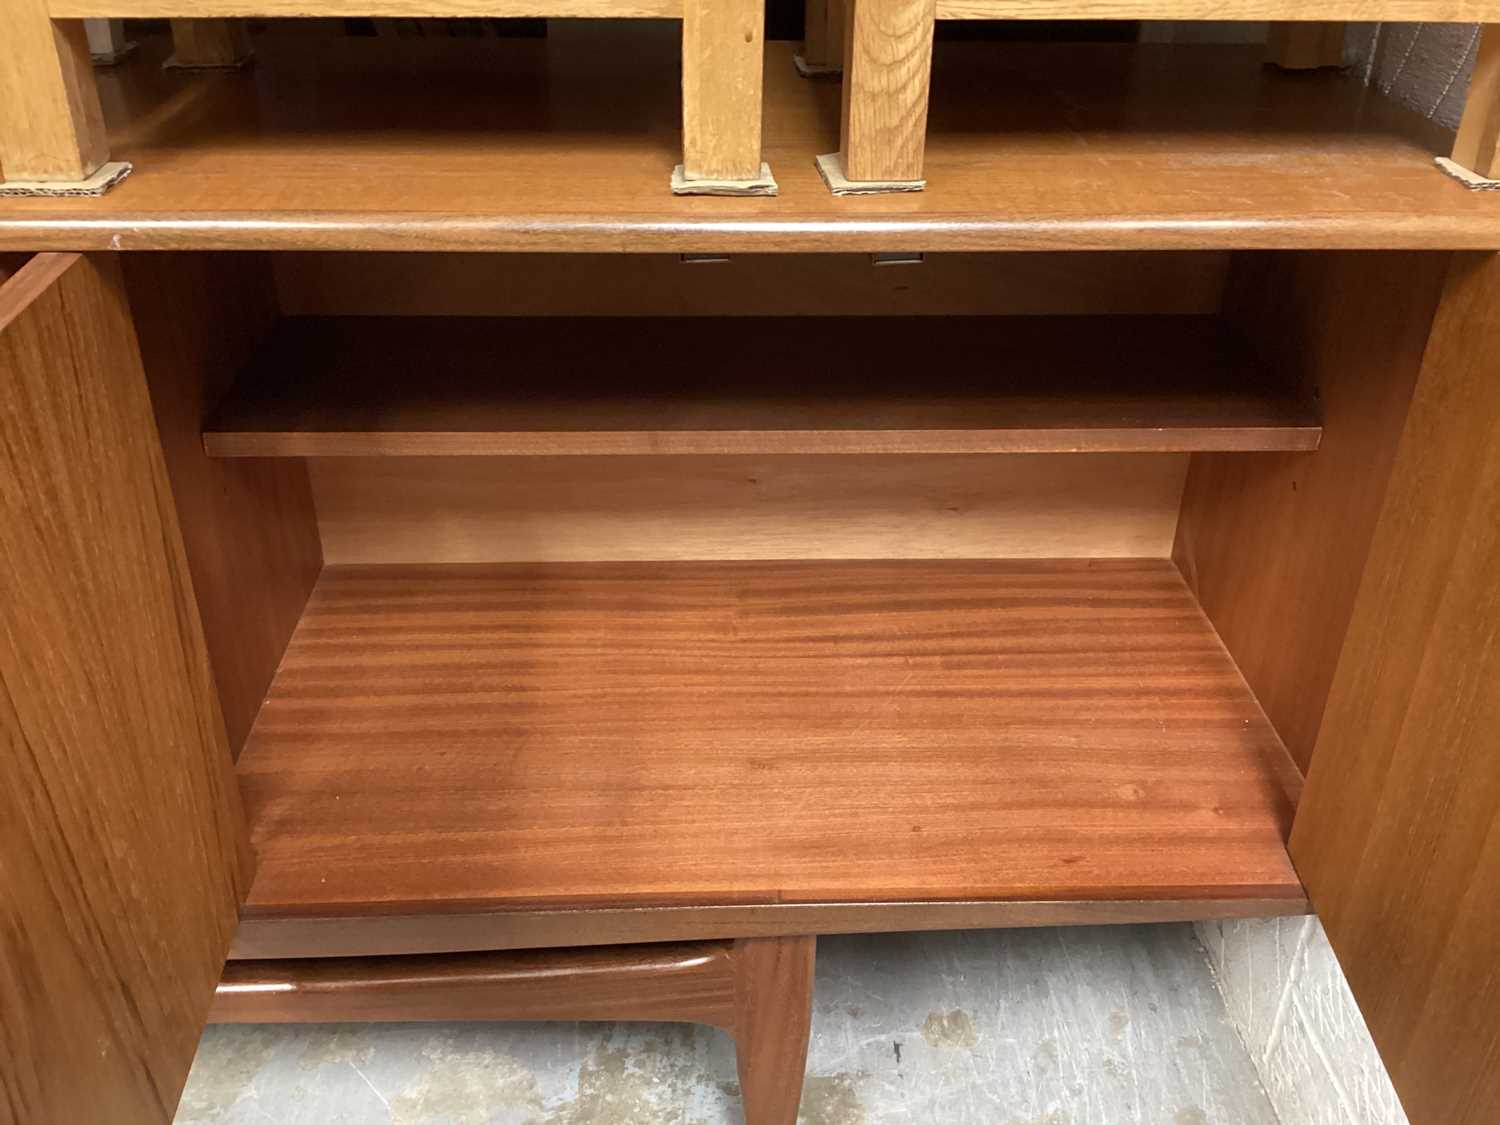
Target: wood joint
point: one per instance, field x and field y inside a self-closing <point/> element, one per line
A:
<point x="757" y="989"/>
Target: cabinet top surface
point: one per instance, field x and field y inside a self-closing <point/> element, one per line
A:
<point x="566" y="144"/>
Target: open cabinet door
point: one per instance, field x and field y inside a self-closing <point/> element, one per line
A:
<point x="123" y="856"/>
<point x="1398" y="834"/>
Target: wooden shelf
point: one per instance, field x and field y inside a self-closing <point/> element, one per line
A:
<point x="448" y="754"/>
<point x="415" y="386"/>
<point x="566" y="144"/>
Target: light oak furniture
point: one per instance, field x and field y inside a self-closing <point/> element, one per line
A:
<point x="441" y="634"/>
<point x="883" y="49"/>
<point x="52" y="133"/>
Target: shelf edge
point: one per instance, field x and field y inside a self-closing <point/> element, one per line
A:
<point x="263" y="935"/>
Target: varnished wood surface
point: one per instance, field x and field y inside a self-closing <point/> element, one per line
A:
<point x="413" y="387"/>
<point x="688" y="983"/>
<point x="823" y="33"/>
<point x="1274" y="546"/>
<point x="274" y="936"/>
<point x="567" y="144"/>
<point x="51" y="123"/>
<point x="1398" y="837"/>
<point x="773" y="1021"/>
<point x="249" y="527"/>
<point x="123" y="852"/>
<point x="588" y="509"/>
<point x="885" y="89"/>
<point x="723" y="53"/>
<point x="463" y="740"/>
<point x="759" y="989"/>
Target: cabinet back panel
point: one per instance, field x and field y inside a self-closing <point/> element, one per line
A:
<point x="747" y="285"/>
<point x="534" y="509"/>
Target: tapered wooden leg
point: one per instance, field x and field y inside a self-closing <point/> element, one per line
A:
<point x="209" y="44"/>
<point x="823" y="38"/>
<point x="1479" y="130"/>
<point x="51" y="127"/>
<point x="887" y="72"/>
<point x="758" y="989"/>
<point x="1305" y="45"/>
<point x="723" y="49"/>
<point x="773" y="1019"/>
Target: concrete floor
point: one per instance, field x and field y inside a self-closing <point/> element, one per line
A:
<point x="1100" y="1026"/>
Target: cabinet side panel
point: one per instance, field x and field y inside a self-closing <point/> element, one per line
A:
<point x="123" y="853"/>
<point x="1274" y="544"/>
<point x="1398" y="836"/>
<point x="251" y="534"/>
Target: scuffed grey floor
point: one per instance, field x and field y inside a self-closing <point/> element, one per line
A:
<point x="1099" y="1026"/>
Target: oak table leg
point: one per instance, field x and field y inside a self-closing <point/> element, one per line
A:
<point x="723" y="57"/>
<point x="209" y="44"/>
<point x="51" y="126"/>
<point x="757" y="989"/>
<point x="1305" y="45"/>
<point x="887" y="72"/>
<point x="822" y="39"/>
<point x="1475" y="148"/>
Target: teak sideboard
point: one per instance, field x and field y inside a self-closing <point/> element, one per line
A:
<point x="444" y="577"/>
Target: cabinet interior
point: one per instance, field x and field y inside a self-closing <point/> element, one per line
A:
<point x="1007" y="589"/>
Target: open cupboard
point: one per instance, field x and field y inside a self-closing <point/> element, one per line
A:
<point x="608" y="654"/>
<point x="452" y="635"/>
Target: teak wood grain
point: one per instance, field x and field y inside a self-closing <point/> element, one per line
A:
<point x="773" y="1021"/>
<point x="315" y="935"/>
<point x="1397" y="838"/>
<point x="249" y="527"/>
<point x="1274" y="546"/>
<point x="757" y="989"/>
<point x="691" y="982"/>
<point x="466" y="739"/>
<point x="414" y="387"/>
<point x="123" y="853"/>
<point x="322" y="145"/>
